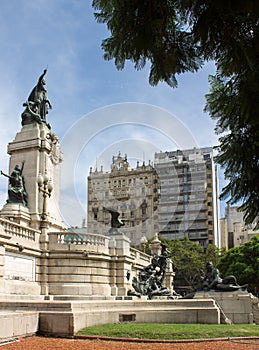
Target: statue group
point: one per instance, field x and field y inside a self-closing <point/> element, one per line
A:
<point x="37" y="107"/>
<point x="38" y="104"/>
<point x="151" y="278"/>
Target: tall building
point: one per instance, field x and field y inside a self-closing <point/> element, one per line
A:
<point x="134" y="193"/>
<point x="189" y="198"/>
<point x="234" y="231"/>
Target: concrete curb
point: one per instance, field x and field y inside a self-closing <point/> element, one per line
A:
<point x="138" y="340"/>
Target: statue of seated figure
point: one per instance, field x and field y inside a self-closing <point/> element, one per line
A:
<point x="16" y="190"/>
<point x="212" y="280"/>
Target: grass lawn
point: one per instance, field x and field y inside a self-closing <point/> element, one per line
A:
<point x="172" y="331"/>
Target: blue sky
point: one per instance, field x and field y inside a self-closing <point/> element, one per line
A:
<point x="63" y="36"/>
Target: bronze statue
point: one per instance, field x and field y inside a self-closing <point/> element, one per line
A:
<point x="16" y="190"/>
<point x="151" y="278"/>
<point x="38" y="104"/>
<point x="212" y="280"/>
<point x="115" y="221"/>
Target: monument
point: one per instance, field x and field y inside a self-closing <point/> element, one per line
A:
<point x="62" y="280"/>
<point x="32" y="206"/>
<point x="35" y="151"/>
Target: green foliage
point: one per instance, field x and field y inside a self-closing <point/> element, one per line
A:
<point x="178" y="36"/>
<point x="148" y="30"/>
<point x="233" y="103"/>
<point x="189" y="259"/>
<point x="171" y="331"/>
<point x="213" y="254"/>
<point x="242" y="262"/>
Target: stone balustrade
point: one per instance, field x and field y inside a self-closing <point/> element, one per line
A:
<point x="86" y="239"/>
<point x="78" y="241"/>
<point x="14" y="229"/>
<point x="137" y="256"/>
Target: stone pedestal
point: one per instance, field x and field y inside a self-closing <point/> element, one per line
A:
<point x="121" y="262"/>
<point x="237" y="306"/>
<point x="38" y="148"/>
<point x="17" y="213"/>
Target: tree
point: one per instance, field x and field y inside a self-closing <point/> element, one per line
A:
<point x="179" y="36"/>
<point x="189" y="260"/>
<point x="242" y="262"/>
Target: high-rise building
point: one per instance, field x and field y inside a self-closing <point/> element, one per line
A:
<point x="134" y="193"/>
<point x="189" y="198"/>
<point x="234" y="231"/>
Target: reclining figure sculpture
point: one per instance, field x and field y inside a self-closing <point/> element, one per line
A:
<point x="212" y="280"/>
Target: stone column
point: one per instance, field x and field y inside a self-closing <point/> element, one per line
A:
<point x="155" y="246"/>
<point x="38" y="147"/>
<point x="120" y="264"/>
<point x="112" y="251"/>
<point x="44" y="263"/>
<point x="2" y="261"/>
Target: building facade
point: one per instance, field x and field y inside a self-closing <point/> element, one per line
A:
<point x="189" y="197"/>
<point x="134" y="193"/>
<point x="234" y="231"/>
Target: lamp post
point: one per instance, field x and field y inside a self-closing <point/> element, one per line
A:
<point x="45" y="187"/>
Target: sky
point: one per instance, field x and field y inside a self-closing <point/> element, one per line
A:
<point x="98" y="111"/>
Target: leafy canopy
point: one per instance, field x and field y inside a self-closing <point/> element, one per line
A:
<point x="177" y="36"/>
<point x="189" y="259"/>
<point x="243" y="262"/>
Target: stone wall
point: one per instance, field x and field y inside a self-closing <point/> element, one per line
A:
<point x="92" y="265"/>
<point x="74" y="265"/>
<point x="19" y="259"/>
<point x="237" y="306"/>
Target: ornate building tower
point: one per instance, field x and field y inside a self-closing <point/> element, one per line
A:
<point x="134" y="193"/>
